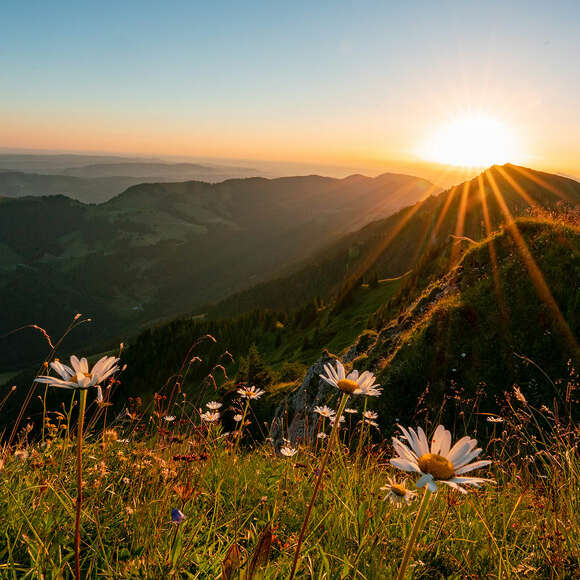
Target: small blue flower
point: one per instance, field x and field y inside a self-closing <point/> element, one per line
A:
<point x="177" y="516"/>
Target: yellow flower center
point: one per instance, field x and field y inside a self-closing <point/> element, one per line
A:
<point x="438" y="466"/>
<point x="74" y="378"/>
<point x="399" y="489"/>
<point x="347" y="386"/>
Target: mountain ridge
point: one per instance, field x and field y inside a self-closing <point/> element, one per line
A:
<point x="160" y="249"/>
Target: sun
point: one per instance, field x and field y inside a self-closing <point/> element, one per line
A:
<point x="471" y="141"/>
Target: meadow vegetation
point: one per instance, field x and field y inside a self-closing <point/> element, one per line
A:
<point x="243" y="501"/>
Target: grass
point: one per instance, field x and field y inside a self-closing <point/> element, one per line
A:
<point x="526" y="525"/>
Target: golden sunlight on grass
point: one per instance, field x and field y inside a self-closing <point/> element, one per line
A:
<point x="471" y="141"/>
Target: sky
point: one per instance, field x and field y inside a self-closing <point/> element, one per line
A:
<point x="361" y="85"/>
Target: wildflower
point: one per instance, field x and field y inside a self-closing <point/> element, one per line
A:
<point x="397" y="493"/>
<point x="519" y="396"/>
<point x="322" y="435"/>
<point x="325" y="411"/>
<point x="79" y="377"/>
<point x="169" y="418"/>
<point x="177" y="516"/>
<point x="110" y="435"/>
<point x="350" y="411"/>
<point x="210" y="416"/>
<point x="353" y="383"/>
<point x="21" y="454"/>
<point x="213" y="405"/>
<point x="333" y="419"/>
<point x="288" y="451"/>
<point x="492" y="419"/>
<point x="237" y="417"/>
<point x="250" y="392"/>
<point x="441" y="462"/>
<point x="370" y="415"/>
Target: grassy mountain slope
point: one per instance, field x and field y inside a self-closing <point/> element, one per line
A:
<point x="161" y="249"/>
<point x="457" y="332"/>
<point x="419" y="234"/>
<point x="472" y="326"/>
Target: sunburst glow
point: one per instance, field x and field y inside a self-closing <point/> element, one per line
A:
<point x="473" y="141"/>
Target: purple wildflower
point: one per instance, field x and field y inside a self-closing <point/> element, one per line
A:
<point x="177" y="516"/>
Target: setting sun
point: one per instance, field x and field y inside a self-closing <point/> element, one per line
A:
<point x="475" y="141"/>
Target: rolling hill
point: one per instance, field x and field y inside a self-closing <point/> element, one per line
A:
<point x="434" y="231"/>
<point x="161" y="249"/>
<point x="96" y="190"/>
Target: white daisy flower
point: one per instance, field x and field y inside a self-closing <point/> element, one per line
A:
<point x="322" y="435"/>
<point x="397" y="493"/>
<point x="169" y="418"/>
<point x="213" y="405"/>
<point x="288" y="451"/>
<point x="353" y="383"/>
<point x="250" y="392"/>
<point x="325" y="411"/>
<point x="333" y="419"/>
<point x="78" y="375"/>
<point x="350" y="411"/>
<point x="492" y="419"/>
<point x="238" y="417"/>
<point x="372" y="415"/>
<point x="210" y="416"/>
<point x="440" y="462"/>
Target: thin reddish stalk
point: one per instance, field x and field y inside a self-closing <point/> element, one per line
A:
<point x="83" y="405"/>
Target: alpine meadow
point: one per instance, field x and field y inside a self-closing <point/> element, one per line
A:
<point x="290" y="291"/>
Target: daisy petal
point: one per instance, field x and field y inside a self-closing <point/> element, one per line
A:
<point x="405" y="464"/>
<point x="472" y="466"/>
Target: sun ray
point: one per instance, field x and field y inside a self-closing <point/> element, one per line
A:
<point x="517" y="188"/>
<point x="422" y="246"/>
<point x="534" y="271"/>
<point x="492" y="252"/>
<point x="400" y="193"/>
<point x="459" y="225"/>
<point x="539" y="181"/>
<point x="379" y="248"/>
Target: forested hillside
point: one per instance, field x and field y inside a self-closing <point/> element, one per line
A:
<point x="159" y="250"/>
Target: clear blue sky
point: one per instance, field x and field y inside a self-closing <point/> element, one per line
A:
<point x="328" y="81"/>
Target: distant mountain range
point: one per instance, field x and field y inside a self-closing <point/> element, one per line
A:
<point x="95" y="179"/>
<point x="161" y="249"/>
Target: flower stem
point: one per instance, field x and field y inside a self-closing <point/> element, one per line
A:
<point x="241" y="428"/>
<point x="361" y="434"/>
<point x="318" y="481"/>
<point x="83" y="404"/>
<point x="414" y="533"/>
